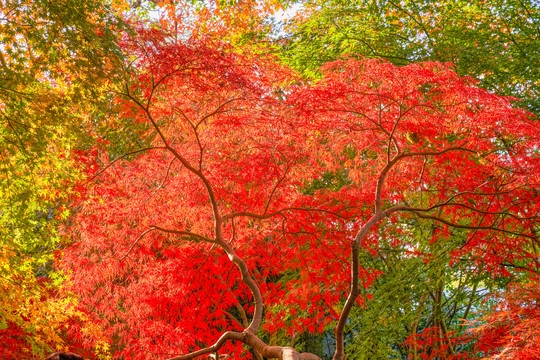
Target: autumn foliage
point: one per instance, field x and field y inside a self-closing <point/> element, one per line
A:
<point x="243" y="213"/>
<point x="168" y="190"/>
<point x="511" y="331"/>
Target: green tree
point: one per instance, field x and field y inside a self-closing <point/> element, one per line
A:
<point x="494" y="41"/>
<point x="420" y="300"/>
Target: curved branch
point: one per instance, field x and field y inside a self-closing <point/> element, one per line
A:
<point x="279" y="212"/>
<point x="184" y="233"/>
<point x="437" y="153"/>
<point x="339" y="330"/>
<point x="229" y="335"/>
<point x="250" y="283"/>
<point x="177" y="232"/>
<point x="517" y="217"/>
<point x="362" y="233"/>
<point x="187" y="165"/>
<point x="471" y="227"/>
<point x="120" y="158"/>
<point x="248" y="338"/>
<point x="135" y="243"/>
<point x="218" y="223"/>
<point x="275" y="188"/>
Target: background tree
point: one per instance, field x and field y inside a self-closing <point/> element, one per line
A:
<point x="419" y="292"/>
<point x="496" y="42"/>
<point x="240" y="23"/>
<point x="55" y="59"/>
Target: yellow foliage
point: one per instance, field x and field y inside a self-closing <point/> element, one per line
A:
<point x="30" y="304"/>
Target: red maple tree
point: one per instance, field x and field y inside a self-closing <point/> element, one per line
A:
<point x="511" y="331"/>
<point x="246" y="210"/>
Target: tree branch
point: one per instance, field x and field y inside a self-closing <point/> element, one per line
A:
<point x="184" y="233"/>
<point x="135" y="242"/>
<point x="248" y="338"/>
<point x="279" y="212"/>
<point x="229" y="335"/>
<point x="120" y="158"/>
<point x="473" y="227"/>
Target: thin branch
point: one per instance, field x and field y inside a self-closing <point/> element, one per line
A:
<point x="164" y="180"/>
<point x="120" y="158"/>
<point x="483" y="211"/>
<point x="391" y="137"/>
<point x="275" y="188"/>
<point x="229" y="335"/>
<point x="250" y="283"/>
<point x="437" y="153"/>
<point x="234" y="318"/>
<point x="184" y="233"/>
<point x="279" y="212"/>
<point x="217" y="111"/>
<point x="135" y="242"/>
<point x="422" y="172"/>
<point x="473" y="227"/>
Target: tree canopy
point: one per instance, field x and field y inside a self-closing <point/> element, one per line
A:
<point x="171" y="189"/>
<point x="496" y="42"/>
